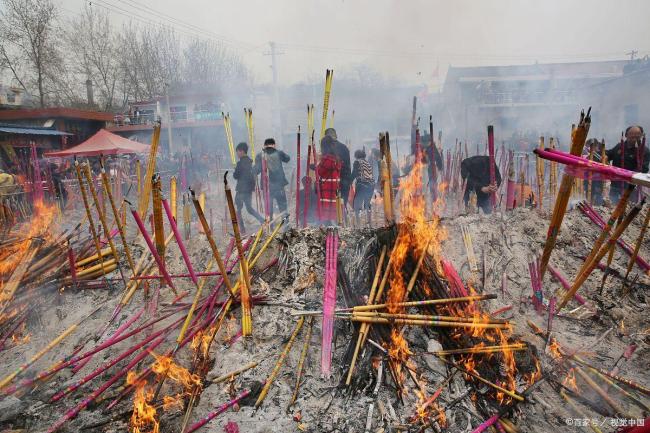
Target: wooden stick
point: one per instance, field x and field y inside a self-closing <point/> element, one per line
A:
<point x="247" y="321"/>
<point x="301" y="363"/>
<point x="279" y="363"/>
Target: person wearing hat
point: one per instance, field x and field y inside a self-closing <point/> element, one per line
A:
<point x="343" y="154"/>
<point x="630" y="154"/>
<point x="275" y="160"/>
<point x="245" y="185"/>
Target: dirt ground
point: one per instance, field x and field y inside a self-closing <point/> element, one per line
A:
<point x="296" y="283"/>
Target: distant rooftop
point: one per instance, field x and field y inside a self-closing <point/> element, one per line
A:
<point x="58" y="112"/>
<point x="537" y="71"/>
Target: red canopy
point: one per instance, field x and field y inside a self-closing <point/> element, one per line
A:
<point x="102" y="143"/>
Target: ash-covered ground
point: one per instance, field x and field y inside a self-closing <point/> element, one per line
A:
<point x="502" y="242"/>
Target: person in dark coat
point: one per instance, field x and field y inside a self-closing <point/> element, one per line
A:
<point x="245" y="184"/>
<point x="343" y="154"/>
<point x="631" y="155"/>
<point x="475" y="170"/>
<point x="275" y="160"/>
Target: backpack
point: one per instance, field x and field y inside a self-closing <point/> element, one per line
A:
<point x="365" y="172"/>
<point x="274" y="167"/>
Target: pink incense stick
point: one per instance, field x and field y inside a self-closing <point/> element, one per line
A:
<point x="115" y="334"/>
<point x="179" y="241"/>
<point x="221" y="409"/>
<point x="152" y="248"/>
<point x="329" y="302"/>
<point x="486" y="424"/>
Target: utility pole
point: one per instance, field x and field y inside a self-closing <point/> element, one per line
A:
<point x="632" y="54"/>
<point x="169" y="120"/>
<point x="277" y="119"/>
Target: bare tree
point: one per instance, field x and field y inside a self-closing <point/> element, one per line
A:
<point x="28" y="44"/>
<point x="207" y="62"/>
<point x="93" y="46"/>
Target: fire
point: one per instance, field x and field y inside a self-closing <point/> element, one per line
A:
<point x="554" y="348"/>
<point x="143" y="418"/>
<point x="164" y="365"/>
<point x="38" y="227"/>
<point x="417" y="235"/>
<point x="20" y="337"/>
<point x="570" y="380"/>
<point x="171" y="402"/>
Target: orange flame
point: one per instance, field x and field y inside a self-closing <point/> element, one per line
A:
<point x="164" y="365"/>
<point x="143" y="418"/>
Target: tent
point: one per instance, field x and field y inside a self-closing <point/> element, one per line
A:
<point x="102" y="143"/>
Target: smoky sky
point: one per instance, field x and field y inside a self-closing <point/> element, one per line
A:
<point x="407" y="40"/>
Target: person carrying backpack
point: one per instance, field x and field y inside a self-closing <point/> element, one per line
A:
<point x="274" y="160"/>
<point x="329" y="181"/>
<point x="363" y="179"/>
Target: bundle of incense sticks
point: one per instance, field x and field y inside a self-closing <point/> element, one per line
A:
<point x="329" y="300"/>
<point x="578" y="137"/>
<point x="228" y="130"/>
<point x="151" y="168"/>
<point x="456" y="286"/>
<point x="597" y="219"/>
<point x="329" y="75"/>
<point x="250" y="127"/>
<point x="469" y="248"/>
<point x="582" y="167"/>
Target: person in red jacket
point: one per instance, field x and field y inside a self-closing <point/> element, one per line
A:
<point x="329" y="181"/>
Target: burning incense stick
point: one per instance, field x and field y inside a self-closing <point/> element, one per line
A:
<point x="279" y="363"/>
<point x="589" y="265"/>
<point x="118" y="222"/>
<point x="161" y="265"/>
<point x="426" y="322"/>
<point x="247" y="322"/>
<point x="213" y="244"/>
<point x="639" y="241"/>
<point x="363" y="330"/>
<point x="427" y="302"/>
<point x="102" y="219"/>
<point x="232" y="374"/>
<point x="151" y="168"/>
<point x="84" y="196"/>
<point x="7" y="379"/>
<point x="329" y="74"/>
<point x="578" y="138"/>
<point x="480" y="349"/>
<point x="329" y="301"/>
<point x="512" y="394"/>
<point x="427" y="317"/>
